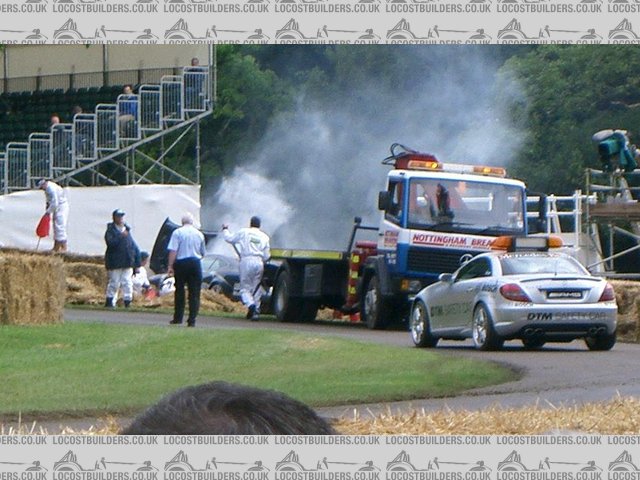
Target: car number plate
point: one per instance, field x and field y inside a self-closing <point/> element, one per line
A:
<point x="562" y="294"/>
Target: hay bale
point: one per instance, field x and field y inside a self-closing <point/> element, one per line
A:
<point x="86" y="283"/>
<point x="32" y="288"/>
<point x="79" y="258"/>
<point x="210" y="301"/>
<point x="628" y="300"/>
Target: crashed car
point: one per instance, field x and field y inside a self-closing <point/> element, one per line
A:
<point x="220" y="273"/>
<point x="526" y="290"/>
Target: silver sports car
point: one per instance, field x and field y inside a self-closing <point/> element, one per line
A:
<point x="534" y="296"/>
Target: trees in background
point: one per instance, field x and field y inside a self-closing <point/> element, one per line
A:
<point x="568" y="93"/>
<point x="571" y="93"/>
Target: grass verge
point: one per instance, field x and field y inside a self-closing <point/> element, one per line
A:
<point x="84" y="368"/>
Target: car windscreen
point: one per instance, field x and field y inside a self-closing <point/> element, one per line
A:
<point x="518" y="264"/>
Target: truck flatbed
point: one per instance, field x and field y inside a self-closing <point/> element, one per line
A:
<point x="292" y="253"/>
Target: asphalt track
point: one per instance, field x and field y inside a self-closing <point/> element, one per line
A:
<point x="559" y="374"/>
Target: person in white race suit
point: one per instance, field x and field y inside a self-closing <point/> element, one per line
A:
<point x="252" y="244"/>
<point x="58" y="207"/>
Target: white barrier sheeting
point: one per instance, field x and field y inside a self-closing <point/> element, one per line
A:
<point x="90" y="208"/>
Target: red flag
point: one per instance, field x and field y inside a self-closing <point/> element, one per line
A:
<point x="44" y="226"/>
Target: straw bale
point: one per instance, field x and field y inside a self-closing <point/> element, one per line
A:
<point x="628" y="298"/>
<point x="86" y="283"/>
<point x="619" y="416"/>
<point x="32" y="288"/>
<point x="79" y="258"/>
<point x="210" y="301"/>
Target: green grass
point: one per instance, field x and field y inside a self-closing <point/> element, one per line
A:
<point x="88" y="368"/>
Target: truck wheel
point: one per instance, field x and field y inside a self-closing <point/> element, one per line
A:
<point x="309" y="311"/>
<point x="377" y="309"/>
<point x="286" y="309"/>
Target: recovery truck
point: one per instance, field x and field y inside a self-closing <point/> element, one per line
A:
<point x="433" y="217"/>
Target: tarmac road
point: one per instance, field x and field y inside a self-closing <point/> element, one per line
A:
<point x="558" y="374"/>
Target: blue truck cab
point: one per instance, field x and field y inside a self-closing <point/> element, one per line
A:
<point x="434" y="217"/>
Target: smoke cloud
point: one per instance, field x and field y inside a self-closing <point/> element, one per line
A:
<point x="319" y="167"/>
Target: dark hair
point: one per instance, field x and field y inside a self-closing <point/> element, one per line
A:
<point x="255" y="222"/>
<point x="221" y="408"/>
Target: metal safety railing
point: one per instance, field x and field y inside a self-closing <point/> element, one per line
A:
<point x="559" y="207"/>
<point x="3" y="174"/>
<point x="150" y="108"/>
<point x="18" y="166"/>
<point x="196" y="91"/>
<point x="128" y="117"/>
<point x="172" y="92"/>
<point x="62" y="147"/>
<point x="39" y="153"/>
<point x="84" y="137"/>
<point x="109" y="129"/>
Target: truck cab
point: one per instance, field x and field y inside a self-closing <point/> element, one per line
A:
<point x="434" y="217"/>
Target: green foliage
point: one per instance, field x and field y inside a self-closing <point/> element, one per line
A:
<point x="247" y="98"/>
<point x="82" y="368"/>
<point x="563" y="95"/>
<point x="572" y="92"/>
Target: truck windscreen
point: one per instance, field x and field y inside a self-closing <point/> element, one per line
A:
<point x="465" y="206"/>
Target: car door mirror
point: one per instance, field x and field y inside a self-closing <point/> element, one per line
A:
<point x="445" y="277"/>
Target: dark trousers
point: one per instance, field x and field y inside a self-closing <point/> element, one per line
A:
<point x="187" y="272"/>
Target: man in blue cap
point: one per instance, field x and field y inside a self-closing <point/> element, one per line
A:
<point x="121" y="257"/>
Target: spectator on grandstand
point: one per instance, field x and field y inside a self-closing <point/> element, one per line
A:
<point x="54" y="120"/>
<point x="194" y="86"/>
<point x="128" y="112"/>
<point x="221" y="408"/>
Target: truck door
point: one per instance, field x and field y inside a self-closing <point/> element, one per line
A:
<point x="394" y="218"/>
<point x="394" y="211"/>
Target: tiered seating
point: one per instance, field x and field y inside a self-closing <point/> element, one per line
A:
<point x="111" y="121"/>
<point x="25" y="112"/>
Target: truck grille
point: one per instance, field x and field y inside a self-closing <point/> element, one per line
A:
<point x="435" y="260"/>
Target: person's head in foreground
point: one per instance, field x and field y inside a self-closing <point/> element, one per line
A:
<point x="221" y="408"/>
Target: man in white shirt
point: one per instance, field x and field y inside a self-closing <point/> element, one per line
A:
<point x="252" y="244"/>
<point x="186" y="249"/>
<point x="58" y="207"/>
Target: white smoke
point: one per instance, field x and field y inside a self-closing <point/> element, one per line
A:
<point x="318" y="167"/>
<point x="242" y="195"/>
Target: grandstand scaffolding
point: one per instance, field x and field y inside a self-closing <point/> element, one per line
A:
<point x="126" y="142"/>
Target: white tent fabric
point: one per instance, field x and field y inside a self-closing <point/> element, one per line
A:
<point x="90" y="208"/>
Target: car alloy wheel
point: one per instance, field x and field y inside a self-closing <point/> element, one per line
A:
<point x="419" y="326"/>
<point x="483" y="334"/>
